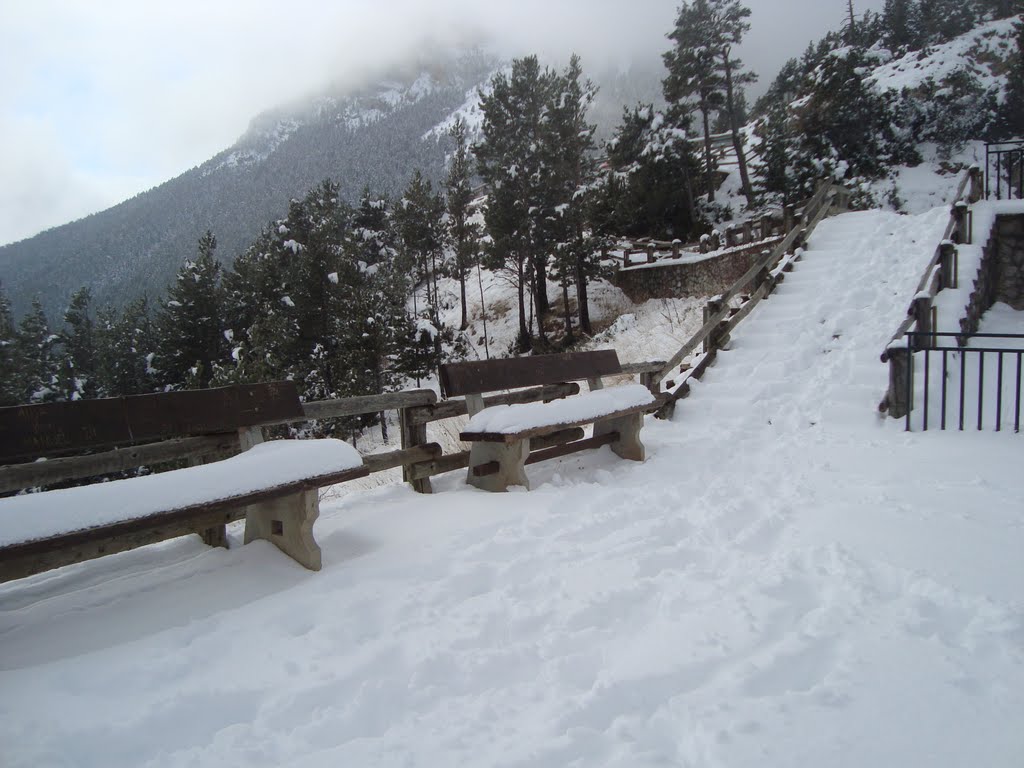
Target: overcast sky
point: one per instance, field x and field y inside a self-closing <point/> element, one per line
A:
<point x="101" y="100"/>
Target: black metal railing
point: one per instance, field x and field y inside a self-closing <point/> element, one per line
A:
<point x="1004" y="169"/>
<point x="967" y="374"/>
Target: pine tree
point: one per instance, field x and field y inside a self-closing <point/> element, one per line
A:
<point x="898" y="21"/>
<point x="125" y="347"/>
<point x="843" y="122"/>
<point x="510" y="162"/>
<point x="649" y="191"/>
<point x="1010" y="119"/>
<point x="78" y="379"/>
<point x="569" y="143"/>
<point x="313" y="252"/>
<point x="36" y="377"/>
<point x="418" y="218"/>
<point x="8" y="369"/>
<point x="191" y="341"/>
<point x="729" y="24"/>
<point x="458" y="198"/>
<point x="372" y="238"/>
<point x="939" y="21"/>
<point x="693" y="78"/>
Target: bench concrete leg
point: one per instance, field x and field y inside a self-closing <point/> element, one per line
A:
<point x="628" y="446"/>
<point x="287" y="522"/>
<point x="511" y="461"/>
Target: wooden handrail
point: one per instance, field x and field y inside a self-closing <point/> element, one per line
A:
<point x="815" y="209"/>
<point x="968" y="185"/>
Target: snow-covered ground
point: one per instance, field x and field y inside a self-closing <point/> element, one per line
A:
<point x="789" y="579"/>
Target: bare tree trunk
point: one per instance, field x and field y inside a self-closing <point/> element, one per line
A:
<point x="709" y="168"/>
<point x="537" y="287"/>
<point x="462" y="290"/>
<point x="378" y="382"/>
<point x="483" y="308"/>
<point x="748" y="190"/>
<point x="568" y="314"/>
<point x="524" y="331"/>
<point x="581" y="297"/>
<point x="540" y="285"/>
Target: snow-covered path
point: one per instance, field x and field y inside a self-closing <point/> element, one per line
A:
<point x="788" y="580"/>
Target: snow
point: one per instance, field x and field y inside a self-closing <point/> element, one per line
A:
<point x="951" y="302"/>
<point x="510" y="419"/>
<point x="984" y="48"/>
<point x="38" y="515"/>
<point x="667" y="259"/>
<point x="789" y="579"/>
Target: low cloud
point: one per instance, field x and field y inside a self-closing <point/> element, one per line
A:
<point x="103" y="100"/>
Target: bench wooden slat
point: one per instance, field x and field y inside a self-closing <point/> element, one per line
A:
<point x="514" y="437"/>
<point x="32" y="474"/>
<point x="26" y="558"/>
<point x="490" y="375"/>
<point x="54" y="428"/>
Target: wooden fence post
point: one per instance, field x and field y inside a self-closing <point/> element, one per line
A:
<point x="712" y="308"/>
<point x="900" y="361"/>
<point x="788" y="218"/>
<point x="649" y="380"/>
<point x="748" y="232"/>
<point x="730" y="237"/>
<point x="650" y="253"/>
<point x="716" y="240"/>
<point x="922" y="311"/>
<point x="947" y="266"/>
<point x="413" y="435"/>
<point x="977" y="190"/>
<point x="675" y="249"/>
<point x="705" y="243"/>
<point x="961" y="231"/>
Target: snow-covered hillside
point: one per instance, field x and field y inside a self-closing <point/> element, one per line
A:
<point x="983" y="53"/>
<point x="789" y="579"/>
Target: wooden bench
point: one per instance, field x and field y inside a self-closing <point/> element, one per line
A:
<point x="502" y="437"/>
<point x="272" y="485"/>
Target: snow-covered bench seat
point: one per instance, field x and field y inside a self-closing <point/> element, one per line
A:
<point x="272" y="485"/>
<point x="502" y="436"/>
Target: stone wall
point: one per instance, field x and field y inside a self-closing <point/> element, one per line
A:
<point x="701" y="278"/>
<point x="1001" y="274"/>
<point x="1010" y="274"/>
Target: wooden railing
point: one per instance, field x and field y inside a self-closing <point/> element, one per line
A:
<point x="420" y="460"/>
<point x="941" y="272"/>
<point x="720" y="317"/>
<point x="764" y="232"/>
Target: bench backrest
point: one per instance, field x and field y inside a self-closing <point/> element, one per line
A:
<point x="516" y="372"/>
<point x="51" y="429"/>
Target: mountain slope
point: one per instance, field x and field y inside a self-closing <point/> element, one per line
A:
<point x="374" y="137"/>
<point x="785" y="581"/>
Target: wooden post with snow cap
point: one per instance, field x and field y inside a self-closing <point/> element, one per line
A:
<point x="730" y="237"/>
<point x="716" y="240"/>
<point x="788" y="217"/>
<point x="897" y="400"/>
<point x="712" y="308"/>
<point x="414" y="434"/>
<point x="977" y="188"/>
<point x="948" y="265"/>
<point x="705" y="243"/>
<point x="921" y="309"/>
<point x="675" y="248"/>
<point x="650" y="253"/>
<point x="748" y="231"/>
<point x="962" y="227"/>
